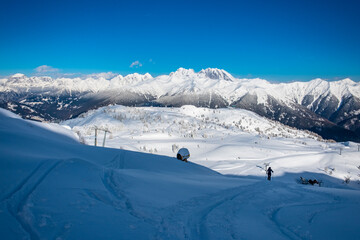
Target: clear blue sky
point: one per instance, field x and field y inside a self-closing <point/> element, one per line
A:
<point x="278" y="40"/>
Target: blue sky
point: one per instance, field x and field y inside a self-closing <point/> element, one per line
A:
<point x="280" y="40"/>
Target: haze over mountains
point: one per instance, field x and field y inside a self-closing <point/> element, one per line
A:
<point x="331" y="109"/>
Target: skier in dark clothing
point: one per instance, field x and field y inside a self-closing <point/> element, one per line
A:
<point x="269" y="171"/>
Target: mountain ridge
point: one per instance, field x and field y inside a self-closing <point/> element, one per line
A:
<point x="293" y="103"/>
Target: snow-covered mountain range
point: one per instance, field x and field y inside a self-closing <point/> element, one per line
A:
<point x="331" y="109"/>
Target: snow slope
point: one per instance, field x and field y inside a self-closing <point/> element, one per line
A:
<point x="53" y="187"/>
<point x="231" y="141"/>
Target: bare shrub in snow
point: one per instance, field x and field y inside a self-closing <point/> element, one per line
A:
<point x="120" y="116"/>
<point x="81" y="137"/>
<point x="174" y="148"/>
<point x="266" y="165"/>
<point x="329" y="170"/>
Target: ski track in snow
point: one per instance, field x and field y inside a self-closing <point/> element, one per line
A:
<point x="114" y="188"/>
<point x="288" y="233"/>
<point x="192" y="219"/>
<point x="22" y="183"/>
<point x="192" y="215"/>
<point x="17" y="200"/>
<point x="293" y="233"/>
<point x="309" y="198"/>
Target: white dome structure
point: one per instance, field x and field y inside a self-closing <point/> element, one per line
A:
<point x="183" y="154"/>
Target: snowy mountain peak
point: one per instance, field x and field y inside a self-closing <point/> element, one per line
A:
<point x="136" y="77"/>
<point x="131" y="79"/>
<point x="147" y="76"/>
<point x="347" y="81"/>
<point x="182" y="72"/>
<point x="317" y="87"/>
<point x="215" y="73"/>
<point x="345" y="88"/>
<point x="18" y="75"/>
<point x="209" y="73"/>
<point x="103" y="75"/>
<point x="318" y="81"/>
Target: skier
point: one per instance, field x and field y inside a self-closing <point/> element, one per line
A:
<point x="269" y="171"/>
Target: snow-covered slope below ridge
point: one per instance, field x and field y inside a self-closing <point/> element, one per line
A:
<point x="186" y="81"/>
<point x="296" y="91"/>
<point x="216" y="138"/>
<point x="188" y="122"/>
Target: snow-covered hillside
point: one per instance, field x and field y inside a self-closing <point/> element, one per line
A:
<point x="127" y="124"/>
<point x="53" y="187"/>
<point x="215" y="137"/>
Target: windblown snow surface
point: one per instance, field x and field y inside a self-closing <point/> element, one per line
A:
<point x="53" y="187"/>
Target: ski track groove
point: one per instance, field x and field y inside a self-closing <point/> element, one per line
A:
<point x="244" y="197"/>
<point x="197" y="219"/>
<point x="113" y="188"/>
<point x="186" y="213"/>
<point x="202" y="228"/>
<point x="109" y="183"/>
<point x="22" y="183"/>
<point x="118" y="162"/>
<point x="290" y="233"/>
<point x="282" y="228"/>
<point x="17" y="200"/>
